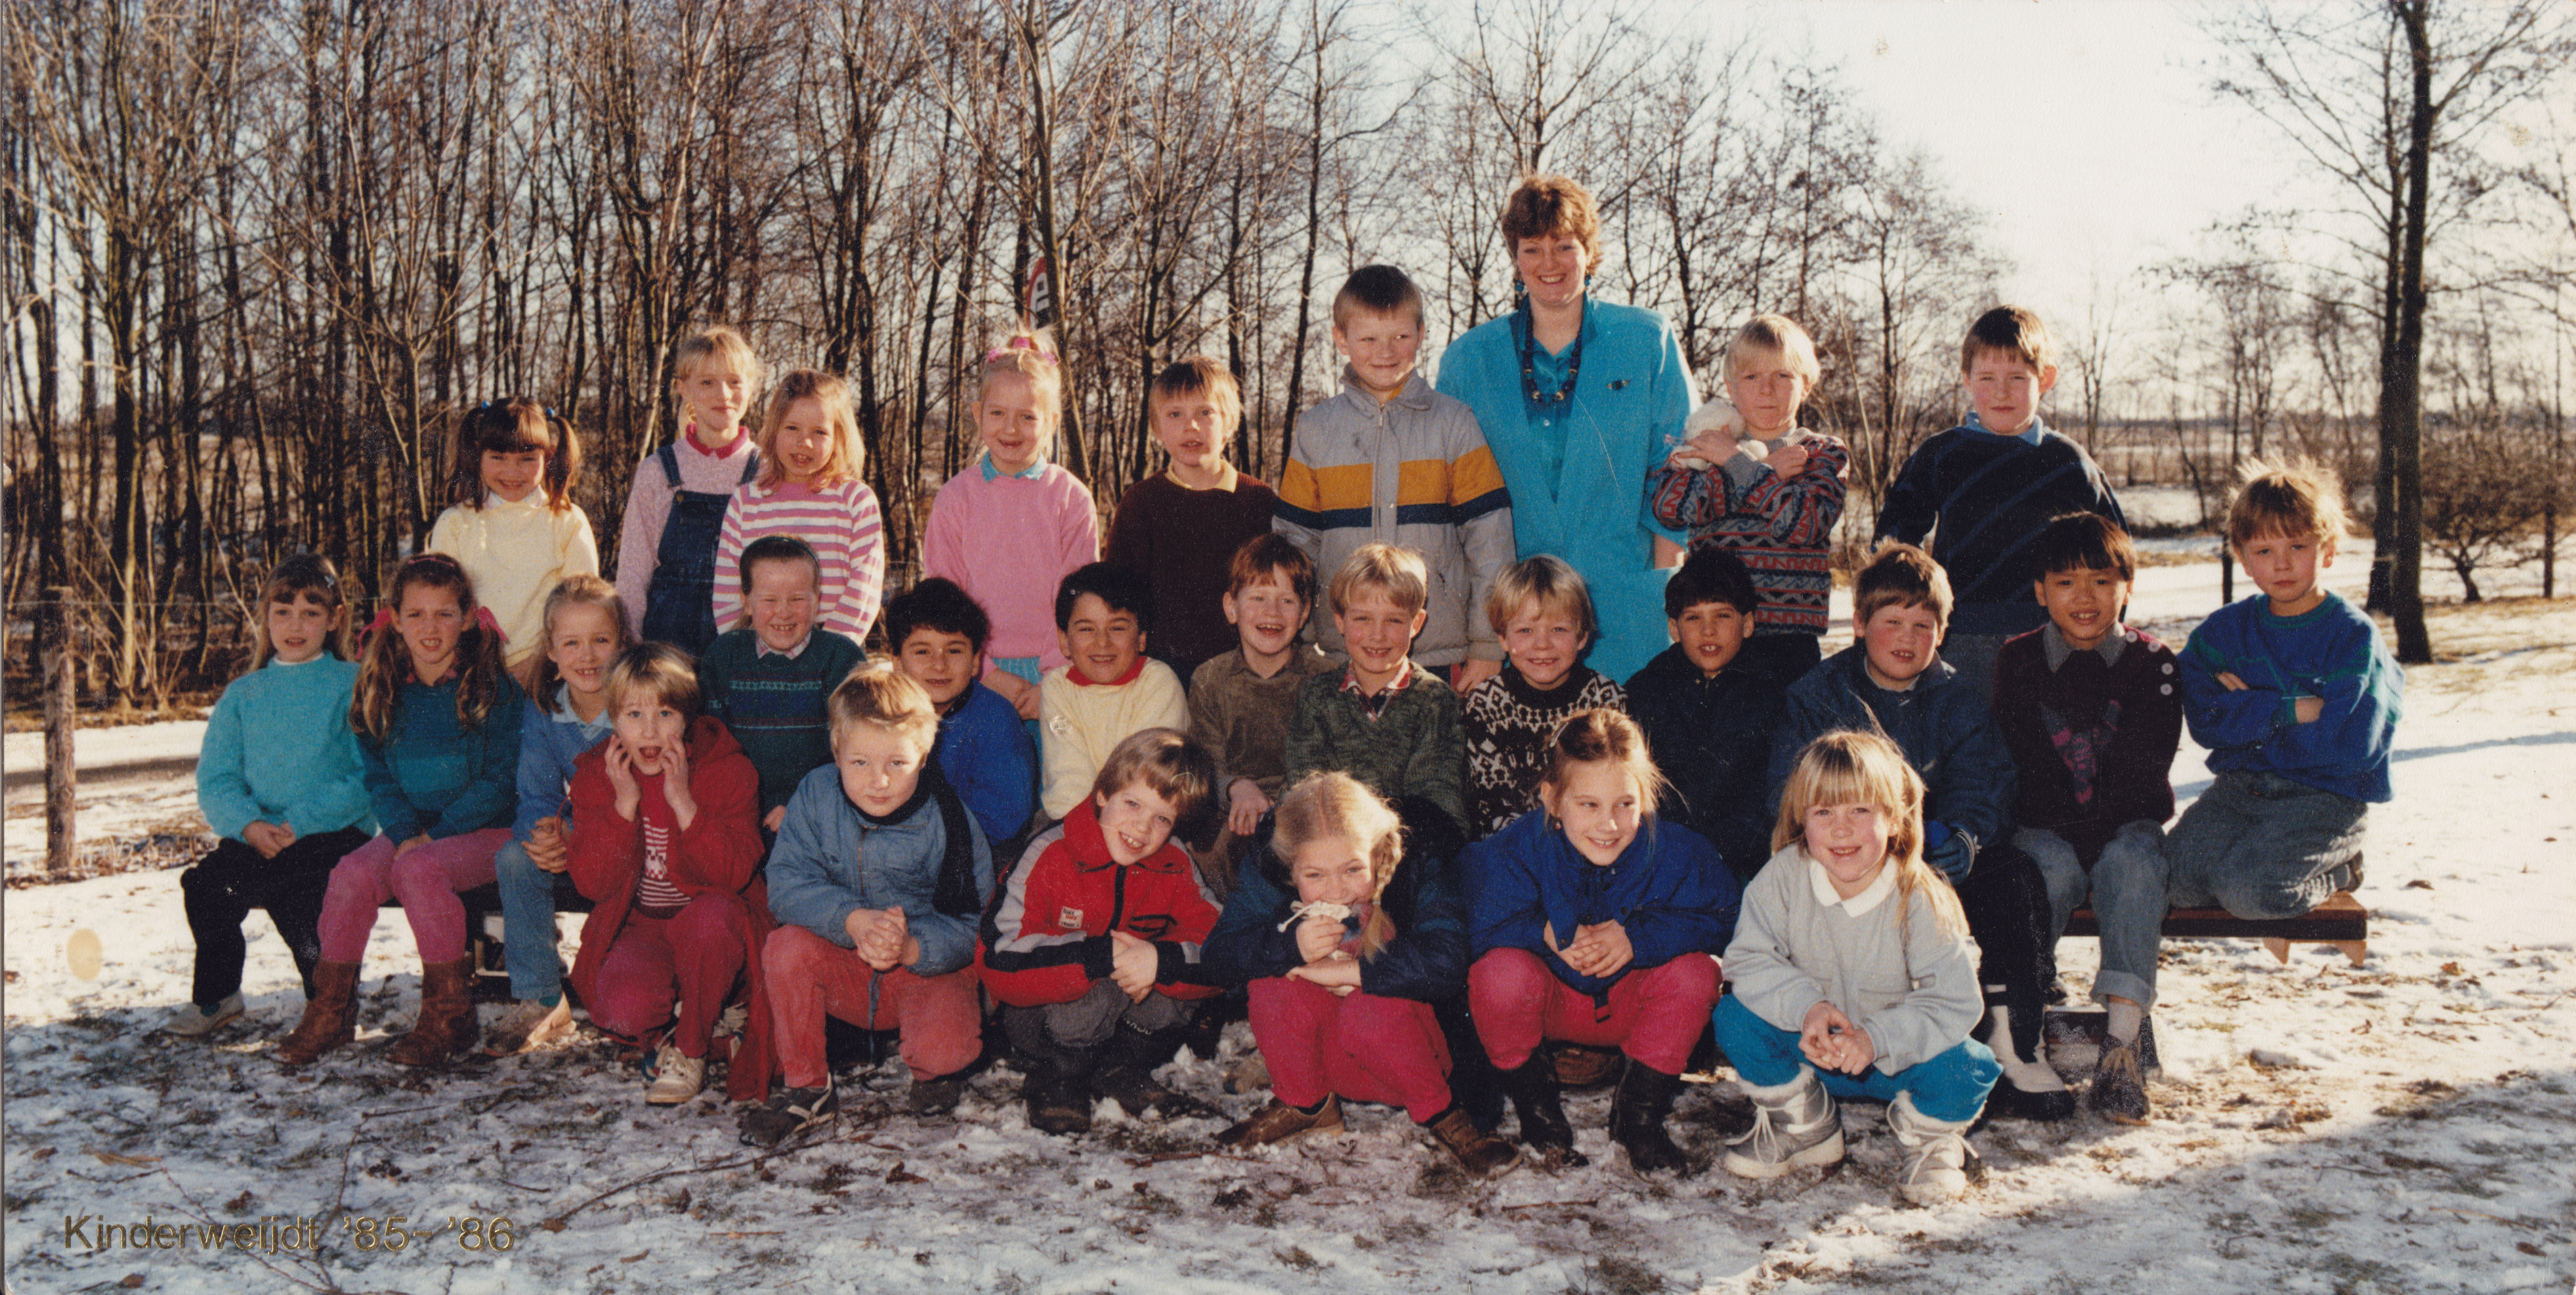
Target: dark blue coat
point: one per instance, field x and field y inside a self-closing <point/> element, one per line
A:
<point x="1712" y="739"/>
<point x="1427" y="959"/>
<point x="1668" y="890"/>
<point x="1946" y="730"/>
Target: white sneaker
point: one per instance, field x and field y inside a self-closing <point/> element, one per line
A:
<point x="676" y="1078"/>
<point x="189" y="1021"/>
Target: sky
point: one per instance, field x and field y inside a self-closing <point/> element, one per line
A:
<point x="2083" y="129"/>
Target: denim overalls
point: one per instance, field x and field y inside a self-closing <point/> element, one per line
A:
<point x="679" y="604"/>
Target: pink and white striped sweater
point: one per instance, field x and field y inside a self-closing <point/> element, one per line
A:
<point x="840" y="521"/>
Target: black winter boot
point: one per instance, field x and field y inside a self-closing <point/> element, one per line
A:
<point x="1637" y="1114"/>
<point x="1126" y="1075"/>
<point x="1544" y="1128"/>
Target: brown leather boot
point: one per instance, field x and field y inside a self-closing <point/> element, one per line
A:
<point x="446" y="1026"/>
<point x="330" y="1015"/>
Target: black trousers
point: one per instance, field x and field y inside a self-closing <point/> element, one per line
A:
<point x="2006" y="901"/>
<point x="227" y="884"/>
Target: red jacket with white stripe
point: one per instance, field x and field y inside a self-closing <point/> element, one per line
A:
<point x="1046" y="938"/>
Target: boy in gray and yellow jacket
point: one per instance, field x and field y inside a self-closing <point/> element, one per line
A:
<point x="1391" y="461"/>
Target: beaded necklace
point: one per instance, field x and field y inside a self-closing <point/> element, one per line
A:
<point x="1525" y="335"/>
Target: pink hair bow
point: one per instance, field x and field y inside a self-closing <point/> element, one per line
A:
<point x="1019" y="344"/>
<point x="491" y="625"/>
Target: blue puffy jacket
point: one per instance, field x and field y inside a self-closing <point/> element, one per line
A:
<point x="1668" y="890"/>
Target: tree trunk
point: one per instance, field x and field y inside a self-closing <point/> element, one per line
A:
<point x="2402" y="432"/>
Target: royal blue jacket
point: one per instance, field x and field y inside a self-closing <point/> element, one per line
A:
<point x="1668" y="891"/>
<point x="1947" y="732"/>
<point x="2332" y="652"/>
<point x="985" y="750"/>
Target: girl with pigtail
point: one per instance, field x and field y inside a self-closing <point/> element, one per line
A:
<point x="437" y="718"/>
<point x="1345" y="944"/>
<point x="513" y="525"/>
<point x="1012" y="526"/>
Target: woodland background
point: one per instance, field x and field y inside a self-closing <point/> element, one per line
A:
<point x="257" y="253"/>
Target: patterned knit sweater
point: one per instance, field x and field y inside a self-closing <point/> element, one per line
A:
<point x="1414" y="747"/>
<point x="2093" y="734"/>
<point x="1783" y="527"/>
<point x="1507" y="724"/>
<point x="775" y="703"/>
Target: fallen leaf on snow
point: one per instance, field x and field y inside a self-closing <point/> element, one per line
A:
<point x="112" y="1158"/>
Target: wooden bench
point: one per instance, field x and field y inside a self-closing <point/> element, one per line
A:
<point x="2340" y="921"/>
<point x="483" y="932"/>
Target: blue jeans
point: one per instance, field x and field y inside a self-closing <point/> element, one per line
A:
<point x="1951" y="1086"/>
<point x="528" y="925"/>
<point x="2128" y="888"/>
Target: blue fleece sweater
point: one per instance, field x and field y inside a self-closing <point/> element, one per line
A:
<point x="432" y="776"/>
<point x="833" y="858"/>
<point x="985" y="750"/>
<point x="2332" y="652"/>
<point x="278" y="750"/>
<point x="1947" y="732"/>
<point x="548" y="744"/>
<point x="1668" y="890"/>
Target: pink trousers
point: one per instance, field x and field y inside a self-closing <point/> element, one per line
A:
<point x="688" y="962"/>
<point x="426" y="881"/>
<point x="1654" y="1016"/>
<point x="941" y="1017"/>
<point x="1365" y="1048"/>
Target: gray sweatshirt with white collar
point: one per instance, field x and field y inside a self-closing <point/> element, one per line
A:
<point x="1797" y="945"/>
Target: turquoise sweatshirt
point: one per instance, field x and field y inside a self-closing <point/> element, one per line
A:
<point x="432" y="776"/>
<point x="278" y="750"/>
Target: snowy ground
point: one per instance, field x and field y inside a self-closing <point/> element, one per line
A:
<point x="2408" y="1126"/>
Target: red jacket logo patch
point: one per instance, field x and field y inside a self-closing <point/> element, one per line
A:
<point x="1069" y="918"/>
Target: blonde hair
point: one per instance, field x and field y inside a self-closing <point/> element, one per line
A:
<point x="1782" y="334"/>
<point x="2301" y="498"/>
<point x="846" y="458"/>
<point x="573" y="591"/>
<point x="1399" y="572"/>
<point x="383" y="659"/>
<point x="1552" y="204"/>
<point x="1031" y="354"/>
<point x="1591" y="737"/>
<point x="1902" y="576"/>
<point x="1201" y="374"/>
<point x="1333" y="805"/>
<point x="1547" y="581"/>
<point x="882" y="696"/>
<point x="301" y="578"/>
<point x="661" y="669"/>
<point x="716" y="342"/>
<point x="1851" y="767"/>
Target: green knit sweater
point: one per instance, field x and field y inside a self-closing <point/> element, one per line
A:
<point x="1413" y="748"/>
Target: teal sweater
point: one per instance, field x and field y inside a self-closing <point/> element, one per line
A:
<point x="278" y="750"/>
<point x="775" y="704"/>
<point x="1415" y="748"/>
<point x="433" y="776"/>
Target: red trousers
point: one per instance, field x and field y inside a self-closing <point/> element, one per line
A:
<point x="941" y="1017"/>
<point x="1654" y="1016"/>
<point x="691" y="960"/>
<point x="1365" y="1048"/>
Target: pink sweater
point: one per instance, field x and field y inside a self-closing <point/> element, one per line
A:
<point x="648" y="505"/>
<point x="840" y="521"/>
<point x="1009" y="542"/>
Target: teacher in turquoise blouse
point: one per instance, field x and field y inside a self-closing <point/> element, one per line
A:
<point x="1578" y="398"/>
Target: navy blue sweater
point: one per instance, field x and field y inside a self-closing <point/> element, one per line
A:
<point x="1712" y="739"/>
<point x="1990" y="497"/>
